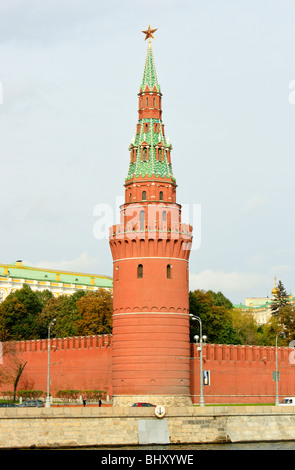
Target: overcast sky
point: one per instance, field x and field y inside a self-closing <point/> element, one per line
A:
<point x="70" y="72"/>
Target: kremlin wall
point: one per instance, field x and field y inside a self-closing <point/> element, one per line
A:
<point x="238" y="374"/>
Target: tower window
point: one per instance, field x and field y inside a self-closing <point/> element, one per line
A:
<point x="142" y="219"/>
<point x="144" y="154"/>
<point x="164" y="216"/>
<point x="140" y="271"/>
<point x="169" y="268"/>
<point x="161" y="195"/>
<point x="146" y="127"/>
<point x="154" y="101"/>
<point x="147" y="101"/>
<point x="143" y="195"/>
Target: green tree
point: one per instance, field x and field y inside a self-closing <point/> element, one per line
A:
<point x="64" y="309"/>
<point x="18" y="315"/>
<point x="220" y="300"/>
<point x="216" y="319"/>
<point x="280" y="299"/>
<point x="286" y="318"/>
<point x="245" y="326"/>
<point x="268" y="331"/>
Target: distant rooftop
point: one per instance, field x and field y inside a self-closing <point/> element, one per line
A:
<point x="19" y="271"/>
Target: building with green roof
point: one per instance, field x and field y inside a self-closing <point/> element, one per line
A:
<point x="14" y="276"/>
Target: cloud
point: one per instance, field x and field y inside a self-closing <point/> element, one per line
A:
<point x="255" y="204"/>
<point x="232" y="284"/>
<point x="83" y="263"/>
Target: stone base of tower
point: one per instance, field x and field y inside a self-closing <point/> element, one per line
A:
<point x="164" y="400"/>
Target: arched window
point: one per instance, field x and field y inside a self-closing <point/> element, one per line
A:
<point x="147" y="101"/>
<point x="164" y="216"/>
<point x="142" y="219"/>
<point x="154" y="102"/>
<point x="144" y="154"/>
<point x="169" y="269"/>
<point x="161" y="195"/>
<point x="140" y="271"/>
<point x="143" y="195"/>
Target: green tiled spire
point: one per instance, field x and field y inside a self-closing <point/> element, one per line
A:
<point x="153" y="139"/>
<point x="152" y="166"/>
<point x="149" y="75"/>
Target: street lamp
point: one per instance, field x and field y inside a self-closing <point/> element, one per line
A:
<point x="277" y="372"/>
<point x="202" y="338"/>
<point x="47" y="401"/>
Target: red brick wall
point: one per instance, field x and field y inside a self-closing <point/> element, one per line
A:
<point x="242" y="374"/>
<point x="76" y="363"/>
<point x="239" y="374"/>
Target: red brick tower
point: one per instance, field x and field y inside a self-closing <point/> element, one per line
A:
<point x="150" y="249"/>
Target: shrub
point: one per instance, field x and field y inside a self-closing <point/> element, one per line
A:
<point x="30" y="393"/>
<point x="88" y="394"/>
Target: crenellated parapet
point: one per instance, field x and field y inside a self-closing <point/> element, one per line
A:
<point x="64" y="344"/>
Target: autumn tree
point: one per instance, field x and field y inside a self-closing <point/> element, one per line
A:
<point x="95" y="312"/>
<point x="246" y="326"/>
<point x="65" y="311"/>
<point x="12" y="365"/>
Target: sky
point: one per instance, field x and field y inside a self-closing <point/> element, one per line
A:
<point x="70" y="71"/>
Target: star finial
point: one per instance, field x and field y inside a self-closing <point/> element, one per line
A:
<point x="149" y="33"/>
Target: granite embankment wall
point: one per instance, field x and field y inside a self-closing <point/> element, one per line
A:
<point x="90" y="426"/>
<point x="238" y="374"/>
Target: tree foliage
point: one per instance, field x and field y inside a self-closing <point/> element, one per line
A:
<point x="245" y="326"/>
<point x="18" y="315"/>
<point x="25" y="314"/>
<point x="214" y="312"/>
<point x="280" y="299"/>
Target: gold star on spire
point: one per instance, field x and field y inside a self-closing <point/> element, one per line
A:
<point x="149" y="33"/>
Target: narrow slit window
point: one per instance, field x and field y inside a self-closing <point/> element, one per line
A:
<point x="142" y="220"/>
<point x="144" y="195"/>
<point x="161" y="195"/>
<point x="140" y="271"/>
<point x="144" y="154"/>
<point x="169" y="269"/>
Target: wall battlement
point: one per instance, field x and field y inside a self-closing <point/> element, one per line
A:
<point x="243" y="353"/>
<point x="76" y="342"/>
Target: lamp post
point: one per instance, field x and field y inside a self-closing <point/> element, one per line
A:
<point x="196" y="338"/>
<point x="277" y="372"/>
<point x="47" y="401"/>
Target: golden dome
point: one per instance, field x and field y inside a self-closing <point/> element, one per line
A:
<point x="275" y="290"/>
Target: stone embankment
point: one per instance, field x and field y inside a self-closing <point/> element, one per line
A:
<point x="111" y="426"/>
